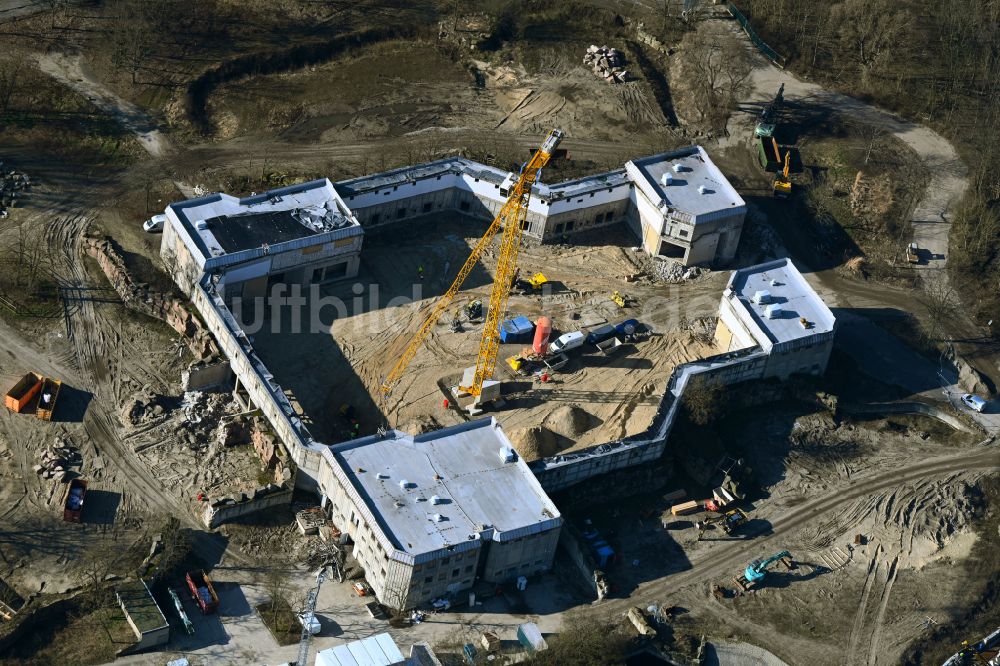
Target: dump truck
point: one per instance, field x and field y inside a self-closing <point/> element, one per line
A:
<point x="912" y="254"/>
<point x="47" y="399"/>
<point x="202" y="591"/>
<point x="23" y="392"/>
<point x="76" y="490"/>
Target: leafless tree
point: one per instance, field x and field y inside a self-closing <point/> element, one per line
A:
<point x="11" y="68"/>
<point x="869" y="30"/>
<point x="132" y="34"/>
<point x="718" y="72"/>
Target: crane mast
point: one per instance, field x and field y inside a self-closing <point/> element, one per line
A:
<point x="510" y="218"/>
<point x="513" y="214"/>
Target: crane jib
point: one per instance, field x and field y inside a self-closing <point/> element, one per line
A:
<point x="511" y="218"/>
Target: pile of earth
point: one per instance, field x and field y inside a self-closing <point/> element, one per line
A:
<point x="569" y="421"/>
<point x="534" y="442"/>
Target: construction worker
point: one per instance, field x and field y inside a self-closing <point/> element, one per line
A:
<point x="420" y="272"/>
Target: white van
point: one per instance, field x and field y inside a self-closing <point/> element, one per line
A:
<point x="567" y="341"/>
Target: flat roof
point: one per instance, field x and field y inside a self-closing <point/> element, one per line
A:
<point x="220" y="224"/>
<point x="377" y="650"/>
<point x="138" y="602"/>
<point x="480" y="494"/>
<point x="696" y="170"/>
<point x="461" y="165"/>
<point x="788" y="290"/>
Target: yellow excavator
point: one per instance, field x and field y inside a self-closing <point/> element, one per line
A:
<point x="510" y="218"/>
<point x="782" y="185"/>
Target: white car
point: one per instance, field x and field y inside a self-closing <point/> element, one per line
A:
<point x="154" y="224"/>
<point x="310" y="622"/>
<point x="974" y="402"/>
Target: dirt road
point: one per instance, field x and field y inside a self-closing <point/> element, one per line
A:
<point x="729" y="557"/>
<point x="69" y="70"/>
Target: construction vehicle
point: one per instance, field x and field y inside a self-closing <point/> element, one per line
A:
<point x="756" y="571"/>
<point x="308" y="619"/>
<point x="76" y="490"/>
<point x="729" y="521"/>
<point x="768" y="120"/>
<point x="532" y="284"/>
<point x="620" y="299"/>
<point x="202" y="591"/>
<point x="782" y="185"/>
<point x="510" y="218"/>
<point x="474" y="310"/>
<point x="21" y="394"/>
<point x="912" y="254"/>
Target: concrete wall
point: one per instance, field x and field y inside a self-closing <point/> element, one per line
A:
<point x="566" y="470"/>
<point x="207" y="375"/>
<point x="220" y="512"/>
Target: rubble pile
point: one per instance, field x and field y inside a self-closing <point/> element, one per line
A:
<point x="202" y="413"/>
<point x="12" y="186"/>
<point x="668" y="270"/>
<point x="608" y="63"/>
<point x="143" y="409"/>
<point x="58" y="460"/>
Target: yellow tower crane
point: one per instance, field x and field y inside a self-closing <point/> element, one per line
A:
<point x="510" y="219"/>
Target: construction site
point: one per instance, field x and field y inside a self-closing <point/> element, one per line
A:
<point x="513" y="338"/>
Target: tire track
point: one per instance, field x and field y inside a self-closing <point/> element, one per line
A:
<point x="732" y="554"/>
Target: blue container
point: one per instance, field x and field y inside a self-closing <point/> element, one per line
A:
<point x="516" y="330"/>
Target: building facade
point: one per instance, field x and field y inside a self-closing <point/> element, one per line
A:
<point x="432" y="514"/>
<point x="772" y="307"/>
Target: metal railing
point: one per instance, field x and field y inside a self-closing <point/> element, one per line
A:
<point x="761" y="45"/>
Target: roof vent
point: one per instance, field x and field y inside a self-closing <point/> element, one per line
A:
<point x="702" y="189"/>
<point x="805" y="323"/>
<point x="678" y="168"/>
<point x="667" y="179"/>
<point x="772" y="311"/>
<point x="507" y="455"/>
<point x="438" y="518"/>
<point x="404" y="484"/>
<point x="762" y="297"/>
<point x="435" y="499"/>
<point x="382" y="475"/>
<point x="774" y="283"/>
<point x="201" y="225"/>
<point x="398" y="504"/>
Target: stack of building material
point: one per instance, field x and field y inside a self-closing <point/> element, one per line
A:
<point x="56" y="460"/>
<point x="608" y="63"/>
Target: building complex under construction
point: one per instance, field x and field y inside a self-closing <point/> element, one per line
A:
<point x="404" y="522"/>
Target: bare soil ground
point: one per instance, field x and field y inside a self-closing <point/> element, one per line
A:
<point x="617" y="395"/>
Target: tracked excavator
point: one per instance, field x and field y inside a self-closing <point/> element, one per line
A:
<point x="756" y="571"/>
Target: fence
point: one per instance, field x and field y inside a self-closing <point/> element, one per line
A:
<point x="761" y="45"/>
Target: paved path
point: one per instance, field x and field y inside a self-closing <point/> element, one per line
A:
<point x="931" y="218"/>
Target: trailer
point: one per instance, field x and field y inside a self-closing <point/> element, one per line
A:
<point x="76" y="491"/>
<point x="23" y="392"/>
<point x="202" y="591"/>
<point x="47" y="399"/>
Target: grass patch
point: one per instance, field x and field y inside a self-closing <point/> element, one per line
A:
<point x="78" y="637"/>
<point x="280" y="620"/>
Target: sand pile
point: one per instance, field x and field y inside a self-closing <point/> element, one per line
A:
<point x="569" y="421"/>
<point x="420" y="425"/>
<point x="534" y="443"/>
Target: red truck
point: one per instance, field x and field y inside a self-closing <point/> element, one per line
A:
<point x="76" y="490"/>
<point x="202" y="591"/>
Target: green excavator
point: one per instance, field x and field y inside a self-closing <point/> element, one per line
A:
<point x="756" y="571"/>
